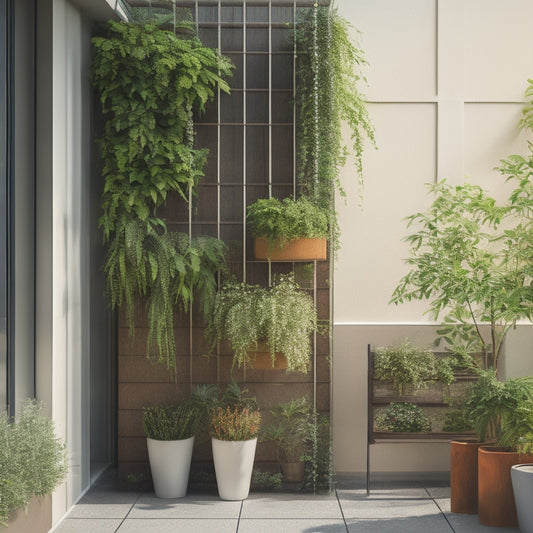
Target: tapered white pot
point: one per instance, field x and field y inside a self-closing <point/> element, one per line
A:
<point x="170" y="463"/>
<point x="234" y="461"/>
<point x="522" y="478"/>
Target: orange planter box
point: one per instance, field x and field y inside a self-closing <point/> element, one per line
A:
<point x="296" y="250"/>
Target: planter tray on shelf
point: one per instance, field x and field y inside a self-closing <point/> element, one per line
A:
<point x="401" y="436"/>
<point x="295" y="250"/>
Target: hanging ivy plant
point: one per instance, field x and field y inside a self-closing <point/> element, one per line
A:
<point x="327" y="96"/>
<point x="149" y="83"/>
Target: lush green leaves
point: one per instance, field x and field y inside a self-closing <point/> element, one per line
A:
<point x="284" y="220"/>
<point x="403" y="417"/>
<point x="327" y="96"/>
<point x="470" y="257"/>
<point x="171" y="422"/>
<point x="32" y="458"/>
<point x="165" y="270"/>
<point x="283" y="317"/>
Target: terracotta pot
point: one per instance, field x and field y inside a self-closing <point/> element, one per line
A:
<point x="292" y="472"/>
<point x="463" y="476"/>
<point x="495" y="490"/>
<point x="295" y="250"/>
<point x="263" y="361"/>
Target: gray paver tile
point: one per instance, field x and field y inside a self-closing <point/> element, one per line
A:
<point x="395" y="494"/>
<point x="286" y="525"/>
<point x="291" y="506"/>
<point x="408" y="524"/>
<point x="196" y="506"/>
<point x="389" y="508"/>
<point x="106" y="504"/>
<point x="439" y="492"/>
<point x="464" y="523"/>
<point x="185" y="525"/>
<point x="92" y="525"/>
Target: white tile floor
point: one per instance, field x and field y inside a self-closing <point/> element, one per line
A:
<point x="386" y="510"/>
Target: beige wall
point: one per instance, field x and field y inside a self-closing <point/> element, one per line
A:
<point x="445" y="86"/>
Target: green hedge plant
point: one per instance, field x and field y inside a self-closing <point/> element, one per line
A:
<point x="171" y="422"/>
<point x="32" y="458"/>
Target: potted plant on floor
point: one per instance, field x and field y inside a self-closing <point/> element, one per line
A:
<point x="234" y="438"/>
<point x="288" y="230"/>
<point x="289" y="432"/>
<point x="170" y="431"/>
<point x="281" y="318"/>
<point x="33" y="459"/>
<point x="468" y="257"/>
<point x="497" y="411"/>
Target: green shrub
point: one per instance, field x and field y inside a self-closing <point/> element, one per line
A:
<point x="457" y="421"/>
<point x="403" y="417"/>
<point x="32" y="458"/>
<point x="234" y="424"/>
<point x="407" y="364"/>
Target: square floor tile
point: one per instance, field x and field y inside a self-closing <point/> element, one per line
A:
<point x="295" y="525"/>
<point x="384" y="494"/>
<point x="291" y="506"/>
<point x="104" y="504"/>
<point x="87" y="525"/>
<point x="407" y="524"/>
<point x="389" y="508"/>
<point x="182" y="525"/>
<point x="197" y="506"/>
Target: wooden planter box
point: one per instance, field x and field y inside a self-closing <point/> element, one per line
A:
<point x="295" y="250"/>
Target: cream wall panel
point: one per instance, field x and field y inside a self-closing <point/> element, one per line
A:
<point x="371" y="257"/>
<point x="402" y="65"/>
<point x="492" y="134"/>
<point x="498" y="49"/>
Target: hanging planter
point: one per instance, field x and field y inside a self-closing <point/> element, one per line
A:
<point x="288" y="230"/>
<point x="282" y="318"/>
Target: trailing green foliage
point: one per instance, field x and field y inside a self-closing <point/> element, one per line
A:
<point x="32" y="458"/>
<point x="283" y="317"/>
<point x="166" y="270"/>
<point x="403" y="417"/>
<point x="171" y="422"/>
<point x="149" y="83"/>
<point x="327" y="96"/>
<point x="407" y="364"/>
<point x="318" y="456"/>
<point x="283" y="220"/>
<point x="289" y="429"/>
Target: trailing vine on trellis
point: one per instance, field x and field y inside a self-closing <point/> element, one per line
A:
<point x="149" y="83"/>
<point x="327" y="95"/>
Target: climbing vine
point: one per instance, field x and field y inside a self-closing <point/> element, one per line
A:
<point x="149" y="83"/>
<point x="327" y="95"/>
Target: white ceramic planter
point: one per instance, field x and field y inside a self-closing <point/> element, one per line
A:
<point x="170" y="463"/>
<point x="522" y="478"/>
<point x="234" y="461"/>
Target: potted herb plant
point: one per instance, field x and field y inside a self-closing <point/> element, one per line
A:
<point x="234" y="438"/>
<point x="170" y="432"/>
<point x="282" y="318"/>
<point x="403" y="417"/>
<point x="288" y="230"/>
<point x="289" y="432"/>
<point x="407" y="364"/>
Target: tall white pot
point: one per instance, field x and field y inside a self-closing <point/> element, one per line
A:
<point x="234" y="461"/>
<point x="170" y="463"/>
<point x="522" y="478"/>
